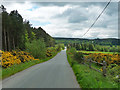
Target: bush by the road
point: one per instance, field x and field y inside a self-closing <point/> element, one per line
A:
<point x="72" y="50"/>
<point x="78" y="56"/>
<point x="37" y="48"/>
<point x="14" y="58"/>
<point x="24" y="60"/>
<point x="58" y="48"/>
<point x="62" y="46"/>
<point x="109" y="58"/>
<point x="113" y="72"/>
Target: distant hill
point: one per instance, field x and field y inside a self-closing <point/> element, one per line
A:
<point x="104" y="41"/>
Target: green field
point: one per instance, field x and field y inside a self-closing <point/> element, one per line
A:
<point x="98" y="52"/>
<point x="94" y="65"/>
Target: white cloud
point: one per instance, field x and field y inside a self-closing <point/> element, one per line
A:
<point x="102" y="33"/>
<point x="69" y="20"/>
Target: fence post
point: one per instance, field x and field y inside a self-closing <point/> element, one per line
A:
<point x="104" y="68"/>
<point x="118" y="84"/>
<point x="90" y="63"/>
<point x="83" y="60"/>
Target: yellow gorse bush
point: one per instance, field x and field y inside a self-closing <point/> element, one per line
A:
<point x="109" y="58"/>
<point x="14" y="57"/>
<point x="49" y="53"/>
<point x="8" y="59"/>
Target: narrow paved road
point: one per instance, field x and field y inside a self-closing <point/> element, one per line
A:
<point x="55" y="73"/>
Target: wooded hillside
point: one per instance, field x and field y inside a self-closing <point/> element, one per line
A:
<point x="15" y="31"/>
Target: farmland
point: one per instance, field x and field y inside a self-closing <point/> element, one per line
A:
<point x="90" y="78"/>
<point x="86" y="59"/>
<point x="98" y="52"/>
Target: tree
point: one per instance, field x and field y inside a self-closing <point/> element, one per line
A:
<point x="77" y="46"/>
<point x="4" y="24"/>
<point x="15" y="32"/>
<point x="91" y="47"/>
<point x="17" y="29"/>
<point x="40" y="33"/>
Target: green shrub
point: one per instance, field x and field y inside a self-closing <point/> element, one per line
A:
<point x="68" y="46"/>
<point x="58" y="48"/>
<point x="37" y="48"/>
<point x="62" y="46"/>
<point x="72" y="50"/>
<point x="49" y="53"/>
<point x="113" y="72"/>
<point x="78" y="56"/>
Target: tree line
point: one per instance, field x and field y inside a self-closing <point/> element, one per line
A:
<point x="93" y="47"/>
<point x="107" y="41"/>
<point x="16" y="32"/>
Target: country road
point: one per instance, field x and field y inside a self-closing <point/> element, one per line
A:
<point x="55" y="73"/>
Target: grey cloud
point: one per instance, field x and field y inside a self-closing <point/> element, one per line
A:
<point x="75" y="27"/>
<point x="76" y="18"/>
<point x="61" y="34"/>
<point x="110" y="22"/>
<point x="74" y="15"/>
<point x="9" y="3"/>
<point x="65" y="14"/>
<point x="112" y="8"/>
<point x="84" y="4"/>
<point x="95" y="34"/>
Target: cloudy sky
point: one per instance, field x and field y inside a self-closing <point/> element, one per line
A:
<point x="72" y="20"/>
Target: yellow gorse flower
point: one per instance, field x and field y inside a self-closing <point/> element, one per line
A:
<point x="109" y="58"/>
<point x="14" y="57"/>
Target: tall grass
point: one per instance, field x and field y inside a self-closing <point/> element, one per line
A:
<point x="37" y="48"/>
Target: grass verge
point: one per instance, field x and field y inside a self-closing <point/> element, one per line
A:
<point x="88" y="78"/>
<point x="17" y="68"/>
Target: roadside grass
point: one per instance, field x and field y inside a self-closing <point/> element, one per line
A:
<point x="17" y="68"/>
<point x="94" y="65"/>
<point x="88" y="78"/>
<point x="98" y="52"/>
